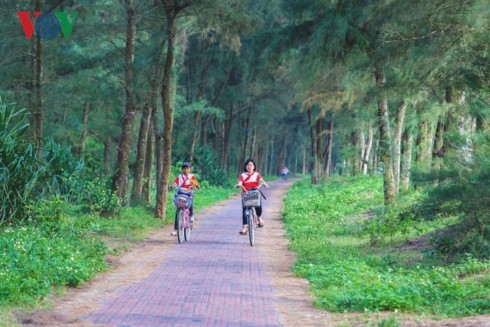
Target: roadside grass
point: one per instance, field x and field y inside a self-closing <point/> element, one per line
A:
<point x="37" y="259"/>
<point x="359" y="258"/>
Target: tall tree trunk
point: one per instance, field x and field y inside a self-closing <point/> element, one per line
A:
<point x="107" y="154"/>
<point x="147" y="174"/>
<point x="107" y="145"/>
<point x="327" y="161"/>
<point x="141" y="154"/>
<point x="121" y="175"/>
<point x="83" y="137"/>
<point x="172" y="9"/>
<point x="158" y="137"/>
<point x="397" y="141"/>
<point x="38" y="115"/>
<point x="355" y="141"/>
<point x="367" y="150"/>
<point x="424" y="144"/>
<point x="148" y="131"/>
<point x="270" y="156"/>
<point x="313" y="145"/>
<point x="385" y="140"/>
<point x="244" y="140"/>
<point x="253" y="145"/>
<point x="225" y="146"/>
<point x="319" y="146"/>
<point x="466" y="127"/>
<point x="375" y="161"/>
<point x="406" y="164"/>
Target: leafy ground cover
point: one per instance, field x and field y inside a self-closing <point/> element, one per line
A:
<point x="358" y="257"/>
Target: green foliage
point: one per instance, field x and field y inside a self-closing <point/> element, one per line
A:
<point x="460" y="187"/>
<point x="30" y="188"/>
<point x="94" y="195"/>
<point x="327" y="227"/>
<point x="33" y="259"/>
<point x="46" y="209"/>
<point x="209" y="167"/>
<point x="19" y="168"/>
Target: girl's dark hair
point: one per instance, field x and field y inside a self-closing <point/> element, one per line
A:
<point x="247" y="162"/>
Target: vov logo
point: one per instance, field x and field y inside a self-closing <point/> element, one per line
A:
<point x="47" y="26"/>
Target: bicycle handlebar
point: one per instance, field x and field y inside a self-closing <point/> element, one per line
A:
<point x="177" y="188"/>
<point x="245" y="190"/>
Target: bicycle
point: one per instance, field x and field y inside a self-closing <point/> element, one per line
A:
<point x="183" y="201"/>
<point x="251" y="200"/>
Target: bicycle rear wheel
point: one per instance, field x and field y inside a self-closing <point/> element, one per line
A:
<point x="251" y="225"/>
<point x="180" y="225"/>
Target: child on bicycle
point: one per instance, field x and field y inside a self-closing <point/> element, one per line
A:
<point x="186" y="181"/>
<point x="250" y="179"/>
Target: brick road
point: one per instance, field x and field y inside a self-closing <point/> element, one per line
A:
<point x="216" y="279"/>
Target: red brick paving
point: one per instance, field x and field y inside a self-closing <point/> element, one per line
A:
<point x="215" y="279"/>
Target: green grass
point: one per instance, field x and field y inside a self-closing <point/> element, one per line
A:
<point x="357" y="261"/>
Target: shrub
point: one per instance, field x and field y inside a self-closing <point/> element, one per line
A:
<point x="19" y="168"/>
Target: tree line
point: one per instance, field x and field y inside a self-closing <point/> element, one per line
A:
<point x="342" y="87"/>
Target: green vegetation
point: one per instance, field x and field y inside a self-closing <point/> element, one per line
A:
<point x="358" y="257"/>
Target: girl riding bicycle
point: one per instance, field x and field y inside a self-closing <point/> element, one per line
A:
<point x="186" y="183"/>
<point x="250" y="179"/>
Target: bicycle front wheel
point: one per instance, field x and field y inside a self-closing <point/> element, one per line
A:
<point x="251" y="225"/>
<point x="187" y="229"/>
<point x="180" y="225"/>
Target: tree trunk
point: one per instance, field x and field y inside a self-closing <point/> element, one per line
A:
<point x="225" y="146"/>
<point x="147" y="175"/>
<point x="148" y="131"/>
<point x="313" y="145"/>
<point x="385" y="140"/>
<point x="244" y="140"/>
<point x="327" y="157"/>
<point x="38" y="114"/>
<point x="304" y="169"/>
<point x="367" y="150"/>
<point x="406" y="164"/>
<point x="424" y="145"/>
<point x="159" y="162"/>
<point x="171" y="12"/>
<point x="121" y="175"/>
<point x="397" y="141"/>
<point x="107" y="145"/>
<point x="375" y="161"/>
<point x="466" y="127"/>
<point x="356" y="144"/>
<point x="318" y="147"/>
<point x="83" y="137"/>
<point x="141" y="154"/>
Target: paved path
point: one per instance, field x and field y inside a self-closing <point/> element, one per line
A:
<point x="216" y="279"/>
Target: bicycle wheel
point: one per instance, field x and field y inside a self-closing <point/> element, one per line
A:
<point x="251" y="225"/>
<point x="180" y="226"/>
<point x="187" y="226"/>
